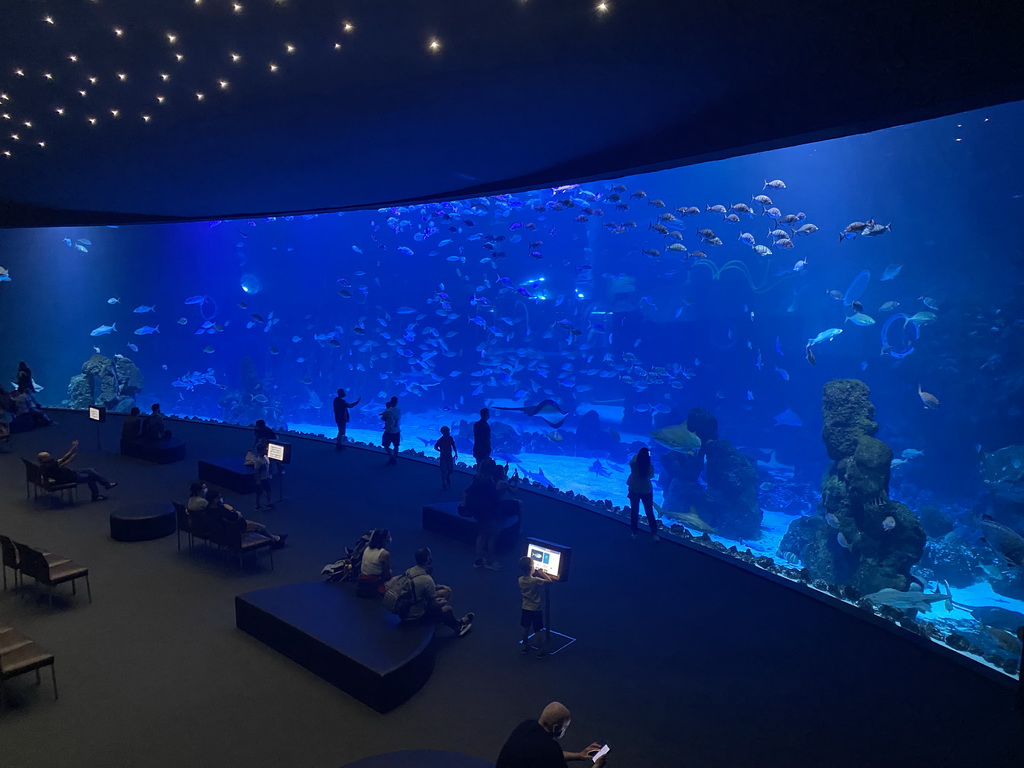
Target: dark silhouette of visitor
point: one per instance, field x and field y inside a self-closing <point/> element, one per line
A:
<point x="392" y="437"/>
<point x="641" y="472"/>
<point x="482" y="437"/>
<point x="342" y="418"/>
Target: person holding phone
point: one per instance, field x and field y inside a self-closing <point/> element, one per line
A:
<point x="534" y="743"/>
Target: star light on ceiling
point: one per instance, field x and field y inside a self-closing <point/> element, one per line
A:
<point x="348" y="26"/>
<point x="602" y="7"/>
<point x="434" y="46"/>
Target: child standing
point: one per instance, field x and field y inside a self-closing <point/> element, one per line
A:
<point x="532" y="617"/>
<point x="446" y="446"/>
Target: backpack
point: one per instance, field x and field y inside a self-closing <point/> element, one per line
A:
<point x="400" y="594"/>
<point x="347" y="568"/>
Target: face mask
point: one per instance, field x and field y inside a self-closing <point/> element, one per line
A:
<point x="559" y="730"/>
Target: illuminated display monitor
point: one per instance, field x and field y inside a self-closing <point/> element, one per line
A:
<point x="281" y="452"/>
<point x="549" y="557"/>
<point x="97" y="413"/>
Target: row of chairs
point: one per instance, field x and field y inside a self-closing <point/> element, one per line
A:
<point x="19" y="655"/>
<point x="35" y="484"/>
<point x="231" y="536"/>
<point x="44" y="567"/>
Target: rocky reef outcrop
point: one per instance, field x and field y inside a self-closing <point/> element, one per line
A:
<point x="1003" y="474"/>
<point x="862" y="538"/>
<point x="112" y="384"/>
<point x="729" y="502"/>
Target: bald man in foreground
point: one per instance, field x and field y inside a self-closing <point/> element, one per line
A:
<point x="534" y="743"/>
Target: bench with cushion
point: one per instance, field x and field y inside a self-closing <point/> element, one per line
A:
<point x="229" y="474"/>
<point x="443" y="517"/>
<point x="159" y="452"/>
<point x="142" y="521"/>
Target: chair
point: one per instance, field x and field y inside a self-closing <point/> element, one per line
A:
<point x="233" y="537"/>
<point x="34" y="479"/>
<point x="9" y="553"/>
<point x="27" y="657"/>
<point x="11" y="640"/>
<point x="33" y="563"/>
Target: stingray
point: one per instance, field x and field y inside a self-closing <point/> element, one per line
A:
<point x="543" y="409"/>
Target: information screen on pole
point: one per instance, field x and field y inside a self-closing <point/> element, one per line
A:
<point x="553" y="559"/>
<point x="97" y="413"/>
<point x="281" y="452"/>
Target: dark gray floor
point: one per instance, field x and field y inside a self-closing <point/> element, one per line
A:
<point x="681" y="659"/>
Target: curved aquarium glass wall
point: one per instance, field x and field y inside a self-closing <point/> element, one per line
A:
<point x="820" y="345"/>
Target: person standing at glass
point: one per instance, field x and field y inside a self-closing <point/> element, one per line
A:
<point x="341" y="418"/>
<point x="482" y="438"/>
<point x="641" y="472"/>
<point x="392" y="418"/>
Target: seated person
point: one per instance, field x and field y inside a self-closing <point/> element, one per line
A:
<point x="375" y="568"/>
<point x="217" y="506"/>
<point x="196" y="506"/>
<point x="58" y="472"/>
<point x="430" y="600"/>
<point x="131" y="428"/>
<point x="26" y="407"/>
<point x="263" y="435"/>
<point x="153" y="429"/>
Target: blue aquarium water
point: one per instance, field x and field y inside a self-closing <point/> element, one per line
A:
<point x="609" y="311"/>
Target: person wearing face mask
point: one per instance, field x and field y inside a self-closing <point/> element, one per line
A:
<point x="534" y="743"/>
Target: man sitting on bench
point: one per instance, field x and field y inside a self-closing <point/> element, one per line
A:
<point x="58" y="472"/>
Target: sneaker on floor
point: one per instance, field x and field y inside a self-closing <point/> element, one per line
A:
<point x="466" y="624"/>
<point x="111" y="485"/>
<point x="526" y="648"/>
<point x="101" y="497"/>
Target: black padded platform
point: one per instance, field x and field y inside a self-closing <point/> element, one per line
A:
<point x="443" y="517"/>
<point x="353" y="644"/>
<point x="159" y="452"/>
<point x="421" y="758"/>
<point x="143" y="521"/>
<point x="229" y="474"/>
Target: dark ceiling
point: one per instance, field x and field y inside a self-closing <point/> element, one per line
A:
<point x="520" y="94"/>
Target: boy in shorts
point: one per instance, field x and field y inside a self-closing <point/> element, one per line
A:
<point x="532" y="618"/>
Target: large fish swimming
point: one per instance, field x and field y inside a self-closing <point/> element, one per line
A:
<point x="677" y="438"/>
<point x="1006" y="541"/>
<point x="546" y="409"/>
<point x="103" y="330"/>
<point x="828" y="335"/>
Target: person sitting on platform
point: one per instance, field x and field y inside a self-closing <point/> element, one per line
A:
<point x="375" y="568"/>
<point x="430" y="600"/>
<point x="153" y="430"/>
<point x="262" y="435"/>
<point x="58" y="472"/>
<point x="27" y="408"/>
<point x="217" y="506"/>
<point x="131" y="427"/>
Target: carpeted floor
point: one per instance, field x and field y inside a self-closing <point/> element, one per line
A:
<point x="682" y="659"/>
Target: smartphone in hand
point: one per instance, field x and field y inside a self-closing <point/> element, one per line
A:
<point x="600" y="753"/>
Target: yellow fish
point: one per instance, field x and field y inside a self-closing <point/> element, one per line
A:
<point x="677" y="438"/>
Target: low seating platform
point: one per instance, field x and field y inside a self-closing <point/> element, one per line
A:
<point x="142" y="521"/>
<point x="443" y="517"/>
<point x="356" y="645"/>
<point x="228" y="474"/>
<point x="160" y="452"/>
